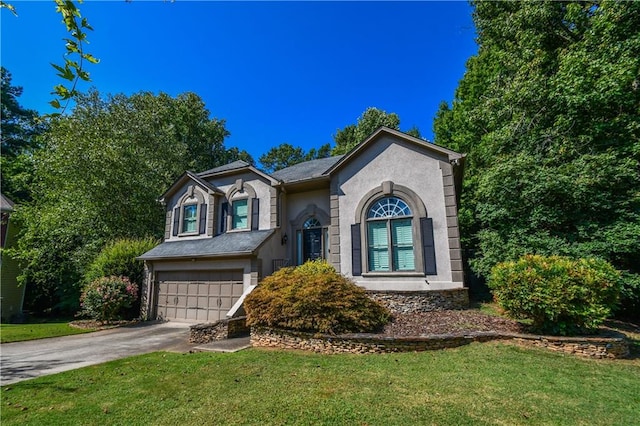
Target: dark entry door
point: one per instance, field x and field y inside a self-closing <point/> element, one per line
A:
<point x="312" y="244"/>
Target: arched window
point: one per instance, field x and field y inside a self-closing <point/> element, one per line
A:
<point x="390" y="236"/>
<point x="312" y="222"/>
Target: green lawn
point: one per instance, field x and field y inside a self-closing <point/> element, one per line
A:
<point x="491" y="383"/>
<point x="37" y="329"/>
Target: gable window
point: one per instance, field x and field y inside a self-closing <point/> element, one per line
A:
<point x="390" y="236"/>
<point x="189" y="218"/>
<point x="240" y="212"/>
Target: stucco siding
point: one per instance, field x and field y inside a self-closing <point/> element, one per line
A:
<point x="262" y="188"/>
<point x="405" y="165"/>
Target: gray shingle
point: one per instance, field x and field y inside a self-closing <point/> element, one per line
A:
<point x="306" y="170"/>
<point x="231" y="166"/>
<point x="222" y="245"/>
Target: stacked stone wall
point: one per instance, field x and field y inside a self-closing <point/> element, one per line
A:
<point x="408" y="302"/>
<point x="591" y="347"/>
<point x="223" y="329"/>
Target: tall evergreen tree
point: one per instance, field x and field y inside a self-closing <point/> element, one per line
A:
<point x="549" y="113"/>
<point x="19" y="128"/>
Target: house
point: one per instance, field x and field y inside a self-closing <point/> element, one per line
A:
<point x="384" y="214"/>
<point x="11" y="294"/>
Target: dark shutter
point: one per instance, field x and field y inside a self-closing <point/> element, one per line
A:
<point x="176" y="220"/>
<point x="203" y="218"/>
<point x="356" y="251"/>
<point x="255" y="213"/>
<point x="223" y="218"/>
<point x="428" y="246"/>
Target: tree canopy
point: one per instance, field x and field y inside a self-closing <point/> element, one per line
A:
<point x="18" y="131"/>
<point x="367" y="123"/>
<point x="285" y="155"/>
<point x="549" y="114"/>
<point x="98" y="175"/>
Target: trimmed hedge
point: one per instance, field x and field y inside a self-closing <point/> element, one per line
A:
<point x="560" y="295"/>
<point x="314" y="298"/>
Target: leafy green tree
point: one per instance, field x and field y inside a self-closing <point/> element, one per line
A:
<point x="367" y="123"/>
<point x="548" y="112"/>
<point x="285" y="155"/>
<point x="97" y="177"/>
<point x="18" y="131"/>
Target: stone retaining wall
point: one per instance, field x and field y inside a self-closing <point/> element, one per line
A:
<point x="592" y="347"/>
<point x="223" y="329"/>
<point x="406" y="302"/>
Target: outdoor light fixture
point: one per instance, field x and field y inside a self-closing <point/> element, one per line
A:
<point x="284" y="239"/>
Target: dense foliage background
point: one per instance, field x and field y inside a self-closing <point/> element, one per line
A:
<point x="549" y="114"/>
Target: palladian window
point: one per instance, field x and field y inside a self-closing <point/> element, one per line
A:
<point x="390" y="236"/>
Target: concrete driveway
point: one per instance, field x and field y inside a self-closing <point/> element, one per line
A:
<point x="26" y="360"/>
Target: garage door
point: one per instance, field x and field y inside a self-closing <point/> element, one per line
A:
<point x="203" y="296"/>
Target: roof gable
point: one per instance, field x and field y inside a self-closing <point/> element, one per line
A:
<point x="235" y="168"/>
<point x="190" y="176"/>
<point x="385" y="131"/>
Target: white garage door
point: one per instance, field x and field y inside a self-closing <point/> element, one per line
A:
<point x="203" y="296"/>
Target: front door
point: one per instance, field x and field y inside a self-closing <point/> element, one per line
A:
<point x="312" y="244"/>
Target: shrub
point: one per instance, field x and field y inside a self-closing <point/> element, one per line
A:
<point x="118" y="258"/>
<point x="106" y="298"/>
<point x="313" y="298"/>
<point x="559" y="294"/>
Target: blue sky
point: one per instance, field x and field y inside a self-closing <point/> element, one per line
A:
<point x="276" y="72"/>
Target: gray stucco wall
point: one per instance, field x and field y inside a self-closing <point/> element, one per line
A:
<point x="403" y="164"/>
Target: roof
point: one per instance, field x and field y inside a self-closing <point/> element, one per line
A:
<point x="231" y="166"/>
<point x="381" y="131"/>
<point x="186" y="176"/>
<point x="6" y="205"/>
<point x="228" y="244"/>
<point x="307" y="170"/>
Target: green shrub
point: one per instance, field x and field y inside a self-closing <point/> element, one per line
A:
<point x="106" y="298"/>
<point x="118" y="258"/>
<point x="559" y="294"/>
<point x="313" y="298"/>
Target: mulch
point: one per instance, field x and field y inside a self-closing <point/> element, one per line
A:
<point x="448" y="322"/>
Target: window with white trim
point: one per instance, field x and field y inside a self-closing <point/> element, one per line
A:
<point x="390" y="236"/>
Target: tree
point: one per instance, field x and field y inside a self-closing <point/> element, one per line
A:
<point x="73" y="68"/>
<point x="368" y="122"/>
<point x="285" y="155"/>
<point x="19" y="128"/>
<point x="97" y="178"/>
<point x="548" y="113"/>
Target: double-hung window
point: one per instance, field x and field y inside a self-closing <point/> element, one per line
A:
<point x="240" y="212"/>
<point x="189" y="218"/>
<point x="390" y="236"/>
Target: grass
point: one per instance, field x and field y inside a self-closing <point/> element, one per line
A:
<point x="38" y="329"/>
<point x="491" y="383"/>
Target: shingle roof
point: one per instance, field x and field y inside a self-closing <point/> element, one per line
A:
<point x="306" y="170"/>
<point x="231" y="243"/>
<point x="6" y="205"/>
<point x="231" y="166"/>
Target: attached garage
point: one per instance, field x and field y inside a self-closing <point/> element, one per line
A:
<point x="204" y="296"/>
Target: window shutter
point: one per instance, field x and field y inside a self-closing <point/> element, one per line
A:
<point x="255" y="213"/>
<point x="428" y="247"/>
<point x="176" y="220"/>
<point x="223" y="218"/>
<point x="203" y="218"/>
<point x="356" y="250"/>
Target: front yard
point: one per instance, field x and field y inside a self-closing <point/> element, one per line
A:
<point x="492" y="383"/>
<point x="38" y="329"/>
